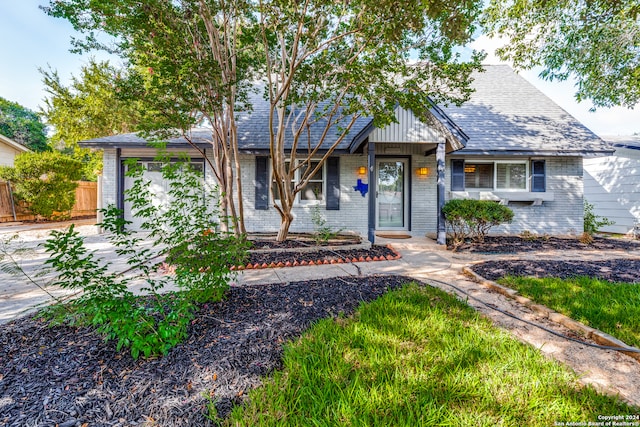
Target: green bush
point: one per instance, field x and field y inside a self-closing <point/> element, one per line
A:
<point x="46" y="181"/>
<point x="183" y="231"/>
<point x="468" y="218"/>
<point x="593" y="222"/>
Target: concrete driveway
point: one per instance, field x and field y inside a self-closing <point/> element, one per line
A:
<point x="26" y="290"/>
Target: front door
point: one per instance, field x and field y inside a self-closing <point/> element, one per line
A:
<point x="391" y="194"/>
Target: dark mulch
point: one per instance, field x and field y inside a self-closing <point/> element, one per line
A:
<point x="319" y="255"/>
<point x="614" y="270"/>
<point x="68" y="376"/>
<point x="511" y="244"/>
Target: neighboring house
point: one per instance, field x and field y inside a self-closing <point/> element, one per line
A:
<point x="509" y="143"/>
<point x="612" y="184"/>
<point x="9" y="149"/>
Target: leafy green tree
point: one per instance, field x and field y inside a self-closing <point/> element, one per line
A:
<point x="22" y="125"/>
<point x="89" y="107"/>
<point x="45" y="180"/>
<point x="194" y="63"/>
<point x="330" y="62"/>
<point x="596" y="42"/>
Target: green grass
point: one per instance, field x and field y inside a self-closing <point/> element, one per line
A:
<point x="613" y="308"/>
<point x="418" y="357"/>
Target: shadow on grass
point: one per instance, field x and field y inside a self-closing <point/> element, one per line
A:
<point x="418" y="356"/>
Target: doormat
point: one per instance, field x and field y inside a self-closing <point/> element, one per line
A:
<point x="393" y="236"/>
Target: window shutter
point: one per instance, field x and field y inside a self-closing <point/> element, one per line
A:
<point x="538" y="174"/>
<point x="262" y="183"/>
<point x="333" y="184"/>
<point x="457" y="175"/>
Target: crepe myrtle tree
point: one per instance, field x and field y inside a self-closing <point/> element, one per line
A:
<point x="330" y="62"/>
<point x="596" y="42"/>
<point x="193" y="61"/>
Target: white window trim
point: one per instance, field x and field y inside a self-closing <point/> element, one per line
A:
<point x="511" y="162"/>
<point x="296" y="179"/>
<point x="495" y="175"/>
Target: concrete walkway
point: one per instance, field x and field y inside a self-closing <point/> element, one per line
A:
<point x="419" y="256"/>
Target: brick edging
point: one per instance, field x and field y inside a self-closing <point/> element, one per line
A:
<point x="598" y="336"/>
<point x="343" y="260"/>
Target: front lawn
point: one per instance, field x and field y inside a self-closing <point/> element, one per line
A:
<point x="418" y="356"/>
<point x="611" y="307"/>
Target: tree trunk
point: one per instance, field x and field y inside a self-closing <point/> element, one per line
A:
<point x="285" y="223"/>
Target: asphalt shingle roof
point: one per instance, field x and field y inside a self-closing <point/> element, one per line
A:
<point x="508" y="114"/>
<point x="505" y="115"/>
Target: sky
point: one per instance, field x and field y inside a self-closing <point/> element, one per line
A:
<point x="29" y="39"/>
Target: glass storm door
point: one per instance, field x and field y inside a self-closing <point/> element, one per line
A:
<point x="391" y="195"/>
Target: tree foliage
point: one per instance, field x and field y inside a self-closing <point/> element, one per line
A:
<point x="46" y="181"/>
<point x="325" y="62"/>
<point x="89" y="107"/>
<point x="22" y="125"/>
<point x="597" y="42"/>
<point x="193" y="62"/>
<point x="330" y="62"/>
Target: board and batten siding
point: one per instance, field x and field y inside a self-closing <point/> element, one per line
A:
<point x="109" y="177"/>
<point x="612" y="186"/>
<point x="408" y="129"/>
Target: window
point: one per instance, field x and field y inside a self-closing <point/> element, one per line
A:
<point x="511" y="176"/>
<point x="328" y="189"/>
<point x="498" y="175"/>
<point x="478" y="175"/>
<point x="314" y="190"/>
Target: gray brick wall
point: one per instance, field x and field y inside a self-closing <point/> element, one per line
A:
<point x="562" y="216"/>
<point x="109" y="177"/>
<point x="352" y="215"/>
<point x="423" y="195"/>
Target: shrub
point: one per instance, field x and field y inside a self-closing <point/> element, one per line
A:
<point x="593" y="222"/>
<point x="468" y="218"/>
<point x="45" y="181"/>
<point x="184" y="230"/>
<point x="322" y="232"/>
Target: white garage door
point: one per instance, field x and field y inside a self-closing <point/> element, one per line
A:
<point x="159" y="189"/>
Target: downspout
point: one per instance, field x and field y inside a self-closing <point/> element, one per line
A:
<point x="440" y="162"/>
<point x="373" y="191"/>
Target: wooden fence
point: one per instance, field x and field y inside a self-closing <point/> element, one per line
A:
<point x="85" y="206"/>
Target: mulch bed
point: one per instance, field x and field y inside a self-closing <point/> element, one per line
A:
<point x="511" y="244"/>
<point x="67" y="376"/>
<point x="321" y="256"/>
<point x="613" y="270"/>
